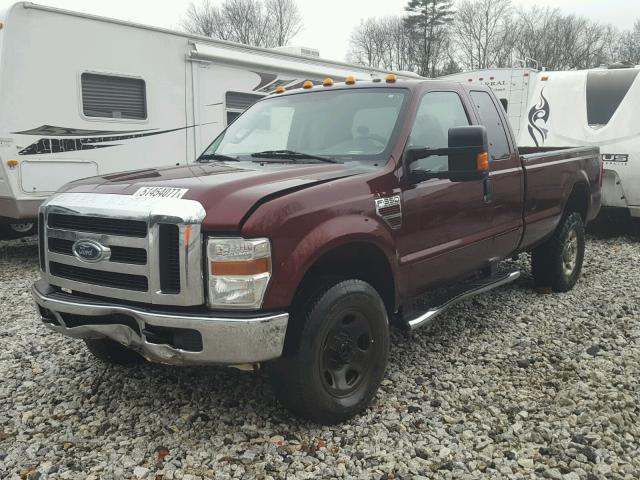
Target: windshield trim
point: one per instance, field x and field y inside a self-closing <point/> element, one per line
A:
<point x="383" y="156"/>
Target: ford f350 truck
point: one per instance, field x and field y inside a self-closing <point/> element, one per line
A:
<point x="308" y="227"/>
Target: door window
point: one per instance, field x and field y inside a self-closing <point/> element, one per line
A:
<point x="437" y="113"/>
<point x="496" y="135"/>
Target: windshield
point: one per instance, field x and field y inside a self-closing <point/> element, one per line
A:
<point x="339" y="124"/>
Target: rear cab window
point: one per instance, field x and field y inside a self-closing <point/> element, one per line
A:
<point x="491" y="119"/>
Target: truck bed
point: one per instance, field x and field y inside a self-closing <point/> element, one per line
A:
<point x="550" y="174"/>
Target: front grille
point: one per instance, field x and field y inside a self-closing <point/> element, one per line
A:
<point x="135" y="256"/>
<point x="168" y="246"/>
<point x="148" y="262"/>
<point x="109" y="226"/>
<point x="99" y="277"/>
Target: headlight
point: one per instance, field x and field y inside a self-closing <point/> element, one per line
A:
<point x="239" y="271"/>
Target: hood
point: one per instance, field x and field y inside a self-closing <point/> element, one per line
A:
<point x="228" y="192"/>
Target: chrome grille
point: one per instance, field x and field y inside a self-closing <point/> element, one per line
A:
<point x="155" y="247"/>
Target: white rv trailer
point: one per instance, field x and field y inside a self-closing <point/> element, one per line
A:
<point x="82" y="95"/>
<point x="512" y="86"/>
<point x="596" y="107"/>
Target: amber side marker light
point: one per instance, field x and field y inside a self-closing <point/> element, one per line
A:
<point x="279" y="89"/>
<point x="307" y="84"/>
<point x="482" y="161"/>
<point x="350" y="80"/>
<point x="12" y="163"/>
<point x="391" y="78"/>
<point x="241" y="268"/>
<point x="545" y="78"/>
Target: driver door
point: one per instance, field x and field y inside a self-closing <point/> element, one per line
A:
<point x="446" y="223"/>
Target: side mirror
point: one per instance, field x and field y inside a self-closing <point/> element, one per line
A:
<point x="468" y="153"/>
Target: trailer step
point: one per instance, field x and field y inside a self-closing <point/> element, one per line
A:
<point x="419" y="318"/>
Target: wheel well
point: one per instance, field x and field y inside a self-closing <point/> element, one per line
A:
<point x="362" y="261"/>
<point x="578" y="201"/>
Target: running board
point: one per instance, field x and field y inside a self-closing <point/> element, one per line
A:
<point x="473" y="289"/>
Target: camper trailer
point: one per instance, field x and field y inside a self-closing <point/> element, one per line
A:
<point x="82" y="95"/>
<point x="595" y="107"/>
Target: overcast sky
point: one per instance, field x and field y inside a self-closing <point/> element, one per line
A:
<point x="328" y="23"/>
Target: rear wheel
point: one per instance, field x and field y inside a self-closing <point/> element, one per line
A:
<point x="557" y="263"/>
<point x="334" y="364"/>
<point x="112" y="352"/>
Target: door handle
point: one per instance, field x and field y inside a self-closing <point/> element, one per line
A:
<point x="488" y="189"/>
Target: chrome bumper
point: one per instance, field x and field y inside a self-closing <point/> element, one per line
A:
<point x="225" y="340"/>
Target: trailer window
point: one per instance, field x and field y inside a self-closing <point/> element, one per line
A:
<point x="111" y="96"/>
<point x="605" y="92"/>
<point x="238" y="102"/>
<point x="491" y="119"/>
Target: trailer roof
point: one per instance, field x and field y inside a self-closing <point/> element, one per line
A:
<point x="199" y="38"/>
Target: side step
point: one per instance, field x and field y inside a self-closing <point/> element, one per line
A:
<point x="468" y="290"/>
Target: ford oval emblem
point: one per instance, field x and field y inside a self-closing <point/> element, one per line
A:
<point x="90" y="251"/>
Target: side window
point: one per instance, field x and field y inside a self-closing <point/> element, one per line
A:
<point x="238" y="102"/>
<point x="110" y="96"/>
<point x="496" y="135"/>
<point x="437" y="113"/>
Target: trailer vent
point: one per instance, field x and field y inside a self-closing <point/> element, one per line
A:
<point x="110" y="96"/>
<point x="241" y="101"/>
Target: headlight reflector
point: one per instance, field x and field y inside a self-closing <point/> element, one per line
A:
<point x="239" y="272"/>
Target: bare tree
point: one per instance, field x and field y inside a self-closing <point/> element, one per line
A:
<point x="260" y="23"/>
<point x="484" y="33"/>
<point x="628" y="47"/>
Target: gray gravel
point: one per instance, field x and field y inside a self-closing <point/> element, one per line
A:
<point x="516" y="384"/>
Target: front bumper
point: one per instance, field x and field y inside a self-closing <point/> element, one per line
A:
<point x="165" y="337"/>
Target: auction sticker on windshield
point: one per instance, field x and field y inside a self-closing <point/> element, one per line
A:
<point x="160" y="192"/>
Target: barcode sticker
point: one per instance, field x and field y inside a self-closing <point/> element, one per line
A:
<point x="160" y="192"/>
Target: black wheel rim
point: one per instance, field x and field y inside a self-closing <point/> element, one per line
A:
<point x="347" y="353"/>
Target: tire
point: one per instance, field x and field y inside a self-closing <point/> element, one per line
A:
<point x="10" y="231"/>
<point x="108" y="351"/>
<point x="334" y="362"/>
<point x="557" y="263"/>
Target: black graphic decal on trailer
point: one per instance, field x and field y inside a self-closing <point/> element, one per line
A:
<point x="58" y="145"/>
<point x="538" y="118"/>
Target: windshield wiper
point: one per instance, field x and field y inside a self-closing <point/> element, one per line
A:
<point x="291" y="155"/>
<point x="216" y="156"/>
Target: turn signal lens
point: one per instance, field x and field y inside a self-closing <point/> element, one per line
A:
<point x="482" y="161"/>
<point x="307" y="84"/>
<point x="279" y="89"/>
<point x="248" y="267"/>
<point x="12" y="163"/>
<point x="328" y="82"/>
<point x="391" y="78"/>
<point x="350" y="80"/>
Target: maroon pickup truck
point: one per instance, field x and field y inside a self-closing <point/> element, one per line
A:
<point x="307" y="228"/>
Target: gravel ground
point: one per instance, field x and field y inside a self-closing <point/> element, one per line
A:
<point x="515" y="384"/>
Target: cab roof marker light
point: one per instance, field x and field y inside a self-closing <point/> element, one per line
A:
<point x="391" y="78"/>
<point x="307" y="84"/>
<point x="350" y="80"/>
<point x="12" y="163"/>
<point x="328" y="82"/>
<point x="279" y="89"/>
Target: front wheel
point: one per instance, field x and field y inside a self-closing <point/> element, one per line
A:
<point x="335" y="362"/>
<point x="557" y="263"/>
<point x="18" y="230"/>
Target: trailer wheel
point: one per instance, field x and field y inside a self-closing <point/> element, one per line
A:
<point x="340" y="354"/>
<point x="18" y="230"/>
<point x="557" y="263"/>
<point x="108" y="351"/>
